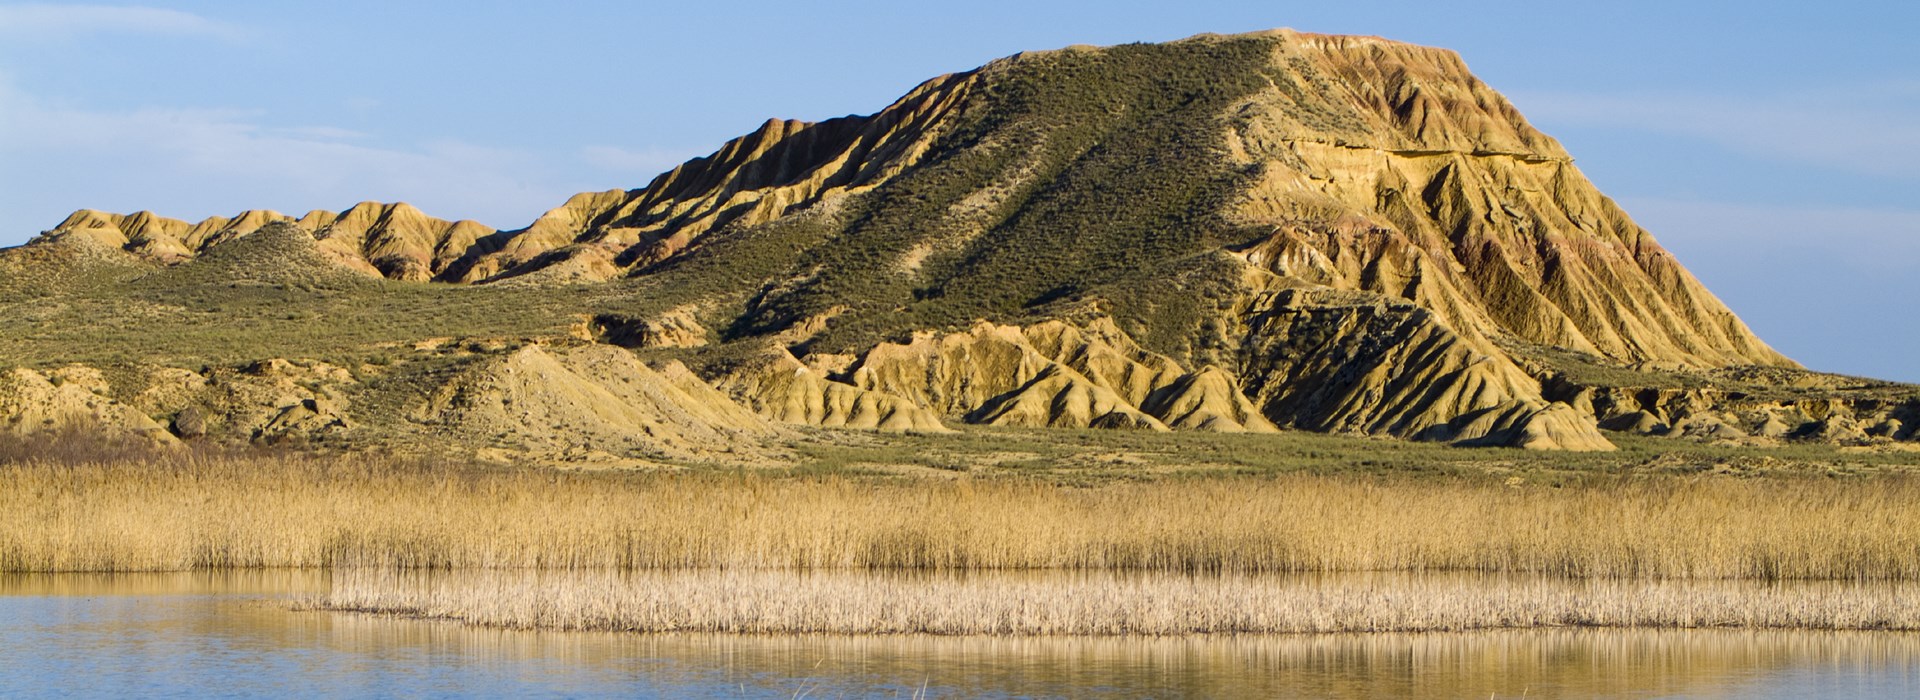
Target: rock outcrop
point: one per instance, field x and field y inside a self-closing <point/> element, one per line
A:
<point x="595" y="403"/>
<point x="1411" y="382"/>
<point x="1210" y="400"/>
<point x="1787" y="406"/>
<point x="780" y="388"/>
<point x="1343" y="362"/>
<point x="1049" y="375"/>
<point x="674" y="328"/>
<point x="67" y="399"/>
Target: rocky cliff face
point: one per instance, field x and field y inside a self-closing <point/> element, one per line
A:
<point x="1402" y="174"/>
<point x="1241" y="233"/>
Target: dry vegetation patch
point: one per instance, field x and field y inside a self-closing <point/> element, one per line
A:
<point x="70" y="507"/>
<point x="1099" y="603"/>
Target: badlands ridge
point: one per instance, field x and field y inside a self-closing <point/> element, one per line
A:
<point x="1251" y="233"/>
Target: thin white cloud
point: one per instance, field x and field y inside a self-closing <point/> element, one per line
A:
<point x="58" y="156"/>
<point x="1879" y="240"/>
<point x="648" y="161"/>
<point x="1828" y="286"/>
<point x="319" y="133"/>
<point x="198" y="162"/>
<point x="56" y="22"/>
<point x="361" y="105"/>
<point x="1874" y="130"/>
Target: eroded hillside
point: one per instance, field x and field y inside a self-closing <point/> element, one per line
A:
<point x="1244" y="234"/>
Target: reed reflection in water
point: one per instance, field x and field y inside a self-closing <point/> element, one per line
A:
<point x="1507" y="663"/>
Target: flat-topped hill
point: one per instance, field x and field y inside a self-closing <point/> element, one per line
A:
<point x="1249" y="233"/>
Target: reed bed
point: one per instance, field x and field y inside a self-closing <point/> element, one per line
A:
<point x="1101" y="603"/>
<point x="188" y="511"/>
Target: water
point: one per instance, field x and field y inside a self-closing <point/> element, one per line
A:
<point x="235" y="635"/>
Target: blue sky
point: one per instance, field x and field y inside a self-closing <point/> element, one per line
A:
<point x="1775" y="151"/>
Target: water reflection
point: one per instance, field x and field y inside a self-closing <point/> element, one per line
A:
<point x="1589" y="663"/>
<point x="249" y="582"/>
<point x="234" y="635"/>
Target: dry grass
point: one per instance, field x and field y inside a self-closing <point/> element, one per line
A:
<point x="1102" y="603"/>
<point x="207" y="511"/>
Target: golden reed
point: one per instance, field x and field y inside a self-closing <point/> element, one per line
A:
<point x="188" y="510"/>
<point x="1101" y="603"/>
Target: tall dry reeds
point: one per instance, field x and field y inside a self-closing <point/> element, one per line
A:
<point x="186" y="510"/>
<point x="1102" y="603"/>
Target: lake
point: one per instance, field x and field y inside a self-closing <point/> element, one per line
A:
<point x="235" y="635"/>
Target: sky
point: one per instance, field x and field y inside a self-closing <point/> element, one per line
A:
<point x="1773" y="147"/>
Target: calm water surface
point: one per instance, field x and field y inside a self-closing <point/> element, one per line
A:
<point x="233" y="635"/>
